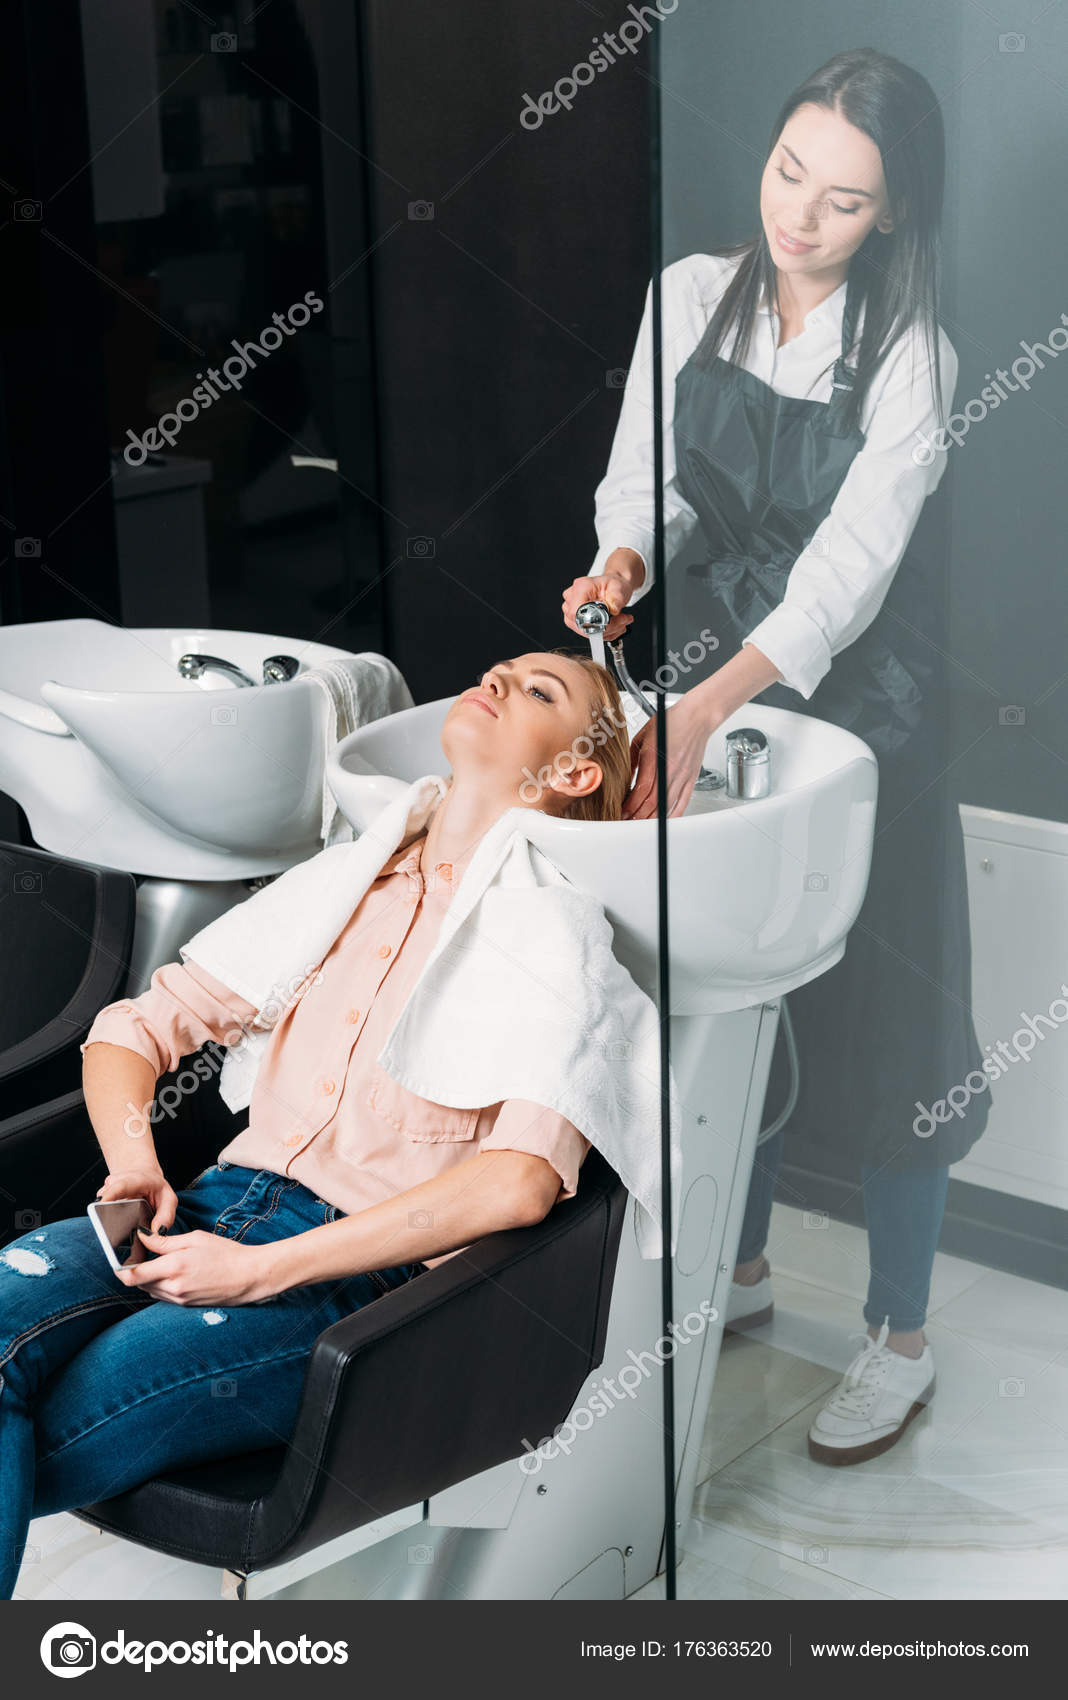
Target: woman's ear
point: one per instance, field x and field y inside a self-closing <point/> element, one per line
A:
<point x="576" y="781"/>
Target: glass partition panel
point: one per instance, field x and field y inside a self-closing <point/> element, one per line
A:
<point x="862" y="755"/>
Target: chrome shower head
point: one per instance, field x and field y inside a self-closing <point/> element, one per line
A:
<point x="593" y="617"/>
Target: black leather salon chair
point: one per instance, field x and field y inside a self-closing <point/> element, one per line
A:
<point x="66" y="930"/>
<point x="419" y="1390"/>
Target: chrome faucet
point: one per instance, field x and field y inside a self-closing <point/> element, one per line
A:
<point x="276" y="669"/>
<point x="748" y="758"/>
<point x="593" y="617"/>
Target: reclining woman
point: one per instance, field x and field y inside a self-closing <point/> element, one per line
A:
<point x="343" y="1186"/>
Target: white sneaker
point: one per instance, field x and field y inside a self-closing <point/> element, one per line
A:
<point x="748" y="1307"/>
<point x="873" y="1404"/>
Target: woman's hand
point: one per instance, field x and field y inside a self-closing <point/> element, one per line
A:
<point x="202" y="1269"/>
<point x="689" y="724"/>
<point x="624" y="572"/>
<point x="150" y="1183"/>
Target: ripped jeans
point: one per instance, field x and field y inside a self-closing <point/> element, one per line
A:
<point x="102" y="1386"/>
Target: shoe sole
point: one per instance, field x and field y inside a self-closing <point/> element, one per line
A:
<point x="871" y="1448"/>
<point x="756" y="1319"/>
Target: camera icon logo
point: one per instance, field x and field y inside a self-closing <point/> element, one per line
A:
<point x="1013" y="714"/>
<point x="27" y="212"/>
<point x="615" y="378"/>
<point x="222" y="716"/>
<point x="224" y="42"/>
<point x="816" y="882"/>
<point x="27" y="1219"/>
<point x="28" y="548"/>
<point x="420" y="548"/>
<point x="420" y="211"/>
<point x="28" y="881"/>
<point x="68" y="1649"/>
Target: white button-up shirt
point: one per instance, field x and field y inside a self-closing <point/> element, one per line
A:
<point x="837" y="584"/>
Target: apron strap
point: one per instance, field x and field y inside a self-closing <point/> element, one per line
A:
<point x="843" y="376"/>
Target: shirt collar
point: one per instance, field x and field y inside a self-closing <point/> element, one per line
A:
<point x="831" y="308"/>
<point x="409" y="860"/>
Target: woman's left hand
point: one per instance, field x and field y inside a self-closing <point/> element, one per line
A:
<point x="201" y="1269"/>
<point x="688" y="725"/>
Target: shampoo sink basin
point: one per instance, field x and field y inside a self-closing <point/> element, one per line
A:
<point x="761" y="894"/>
<point x="118" y="760"/>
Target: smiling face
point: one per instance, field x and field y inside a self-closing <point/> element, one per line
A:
<point x="529" y="716"/>
<point x="824" y="185"/>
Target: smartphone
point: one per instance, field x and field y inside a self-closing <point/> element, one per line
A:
<point x="116" y="1221"/>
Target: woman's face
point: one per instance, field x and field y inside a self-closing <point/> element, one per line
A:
<point x="523" y="719"/>
<point x="824" y="185"/>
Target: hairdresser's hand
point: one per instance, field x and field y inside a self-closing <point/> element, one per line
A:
<point x="202" y="1269"/>
<point x="150" y="1183"/>
<point x="688" y="728"/>
<point x="624" y="571"/>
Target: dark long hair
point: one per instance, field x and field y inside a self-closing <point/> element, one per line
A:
<point x="894" y="277"/>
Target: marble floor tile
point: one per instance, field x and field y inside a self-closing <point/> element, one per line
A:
<point x="756" y="1388"/>
<point x="68" y="1560"/>
<point x="973" y="1502"/>
<point x="720" y="1564"/>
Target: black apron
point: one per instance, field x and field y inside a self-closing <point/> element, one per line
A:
<point x="889" y="1027"/>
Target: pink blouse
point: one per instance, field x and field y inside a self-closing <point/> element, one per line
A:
<point x="322" y="1110"/>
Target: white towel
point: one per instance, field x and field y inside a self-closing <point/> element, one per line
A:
<point x="521" y="996"/>
<point x="355" y="690"/>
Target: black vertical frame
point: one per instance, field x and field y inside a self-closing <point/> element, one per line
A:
<point x="663" y="934"/>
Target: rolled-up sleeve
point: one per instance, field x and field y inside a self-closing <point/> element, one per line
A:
<point x="523" y="1126"/>
<point x="838" y="583"/>
<point x="183" y="1008"/>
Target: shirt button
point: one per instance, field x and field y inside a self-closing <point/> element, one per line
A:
<point x="353" y="1016"/>
<point x="384" y="950"/>
<point x="327" y="1086"/>
<point x="445" y="870"/>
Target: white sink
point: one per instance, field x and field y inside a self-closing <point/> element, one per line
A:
<point x="761" y="894"/>
<point x="117" y="760"/>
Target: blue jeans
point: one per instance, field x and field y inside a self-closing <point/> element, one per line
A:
<point x="903" y="1211"/>
<point x="102" y="1387"/>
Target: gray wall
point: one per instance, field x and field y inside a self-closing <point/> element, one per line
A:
<point x="725" y="72"/>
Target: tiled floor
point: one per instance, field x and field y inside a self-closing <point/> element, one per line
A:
<point x="971" y="1504"/>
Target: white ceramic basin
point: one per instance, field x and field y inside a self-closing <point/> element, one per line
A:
<point x="761" y="894"/>
<point x="118" y="760"/>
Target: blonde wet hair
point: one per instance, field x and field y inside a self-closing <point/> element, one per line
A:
<point x="607" y="730"/>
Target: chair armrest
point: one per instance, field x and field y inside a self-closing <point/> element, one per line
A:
<point x="51" y="1162"/>
<point x="50" y="1165"/>
<point x="448" y="1375"/>
<point x="67" y="955"/>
